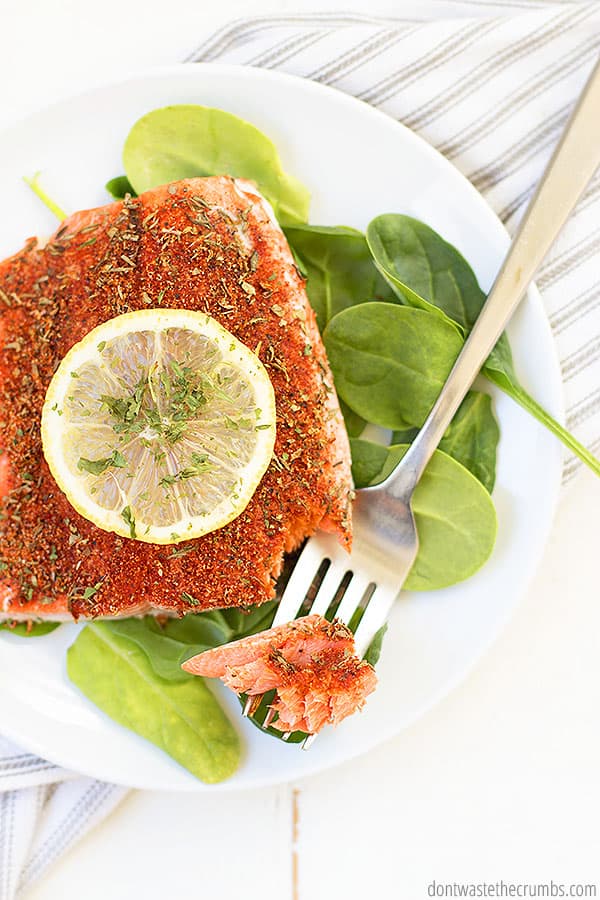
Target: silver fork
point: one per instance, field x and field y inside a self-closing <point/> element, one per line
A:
<point x="385" y="538"/>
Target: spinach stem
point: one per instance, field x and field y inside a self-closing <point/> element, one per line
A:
<point x="538" y="412"/>
<point x="34" y="184"/>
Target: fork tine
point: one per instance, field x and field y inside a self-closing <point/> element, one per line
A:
<point x="295" y="591"/>
<point x="308" y="742"/>
<point x="247" y="710"/>
<point x="352" y="597"/>
<point x="329" y="586"/>
<point x="374" y="617"/>
<point x="271" y="713"/>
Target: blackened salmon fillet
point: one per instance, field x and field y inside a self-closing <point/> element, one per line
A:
<point x="207" y="244"/>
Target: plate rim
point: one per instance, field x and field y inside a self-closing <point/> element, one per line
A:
<point x="556" y="387"/>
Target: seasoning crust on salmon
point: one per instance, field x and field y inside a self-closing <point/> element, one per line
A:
<point x="206" y="244"/>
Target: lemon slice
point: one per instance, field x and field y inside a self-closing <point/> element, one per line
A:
<point x="159" y="425"/>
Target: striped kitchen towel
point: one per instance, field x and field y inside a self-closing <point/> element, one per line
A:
<point x="490" y="84"/>
<point x="44" y="810"/>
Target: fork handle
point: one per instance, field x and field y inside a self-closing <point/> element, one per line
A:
<point x="573" y="163"/>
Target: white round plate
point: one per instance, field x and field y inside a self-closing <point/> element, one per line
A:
<point x="357" y="162"/>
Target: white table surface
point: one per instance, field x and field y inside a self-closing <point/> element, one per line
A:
<point x="500" y="781"/>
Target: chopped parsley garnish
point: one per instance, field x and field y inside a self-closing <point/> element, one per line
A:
<point x="175" y="431"/>
<point x="182" y="551"/>
<point x="98" y="466"/>
<point x="91" y="591"/>
<point x="200" y="464"/>
<point x="127" y="409"/>
<point x="177" y="388"/>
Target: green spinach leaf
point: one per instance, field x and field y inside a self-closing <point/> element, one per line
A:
<point x="245" y="622"/>
<point x="22" y="629"/>
<point x="355" y="424"/>
<point x="471" y="439"/>
<point x="390" y="362"/>
<point x="428" y="271"/>
<point x="118" y="187"/>
<point x="374" y="649"/>
<point x="423" y="269"/>
<point x="168" y="645"/>
<point x="181" y="717"/>
<point x="185" y="141"/>
<point x="372" y="463"/>
<point x="201" y="631"/>
<point x="339" y="269"/>
<point x="454" y="514"/>
<point x="164" y="653"/>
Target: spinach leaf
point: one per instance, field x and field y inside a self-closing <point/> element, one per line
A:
<point x="390" y="362"/>
<point x="471" y="439"/>
<point x="454" y="514"/>
<point x="181" y="717"/>
<point x="164" y="653"/>
<point x="423" y="269"/>
<point x="339" y="269"/>
<point x="374" y="649"/>
<point x="184" y="141"/>
<point x="355" y="424"/>
<point x="22" y="629"/>
<point x="168" y="645"/>
<point x="427" y="271"/>
<point x="404" y="435"/>
<point x="119" y="186"/>
<point x="245" y="622"/>
<point x="200" y="631"/>
<point x="372" y="463"/>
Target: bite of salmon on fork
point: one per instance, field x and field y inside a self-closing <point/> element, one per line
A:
<point x="310" y="663"/>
